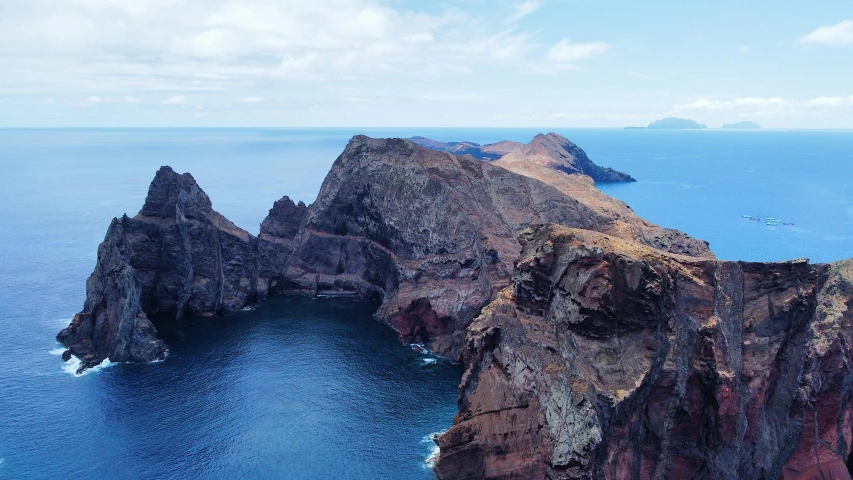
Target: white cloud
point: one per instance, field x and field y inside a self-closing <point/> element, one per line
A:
<point x="92" y="101"/>
<point x="191" y="45"/>
<point x="831" y="102"/>
<point x="252" y="100"/>
<point x="567" y="52"/>
<point x="743" y="49"/>
<point x="131" y="100"/>
<point x="771" y="107"/>
<point x="175" y="100"/>
<point x="524" y="9"/>
<point x="506" y="47"/>
<point x="596" y="116"/>
<point x="838" y="34"/>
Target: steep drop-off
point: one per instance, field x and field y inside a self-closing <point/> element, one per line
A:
<point x="432" y="234"/>
<point x="177" y="257"/>
<point x="596" y="345"/>
<point x="607" y="359"/>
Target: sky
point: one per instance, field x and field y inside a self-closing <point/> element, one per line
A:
<point x="406" y="63"/>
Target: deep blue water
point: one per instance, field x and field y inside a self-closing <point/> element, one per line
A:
<point x="305" y="388"/>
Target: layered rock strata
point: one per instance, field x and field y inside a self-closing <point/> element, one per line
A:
<point x="177" y="257"/>
<point x="432" y="234"/>
<point x="608" y="359"/>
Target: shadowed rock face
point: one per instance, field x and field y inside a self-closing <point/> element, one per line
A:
<point x="275" y="245"/>
<point x="113" y="323"/>
<point x="608" y="359"/>
<point x="176" y="257"/>
<point x="433" y="234"/>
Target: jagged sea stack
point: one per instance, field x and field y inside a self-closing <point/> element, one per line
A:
<point x="176" y="257"/>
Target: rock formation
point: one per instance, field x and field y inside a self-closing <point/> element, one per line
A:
<point x="433" y="234"/>
<point x="552" y="150"/>
<point x="177" y="257"/>
<point x="596" y="344"/>
<point x="607" y="359"/>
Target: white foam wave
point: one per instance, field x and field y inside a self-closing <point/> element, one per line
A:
<point x="57" y="351"/>
<point x="72" y="365"/>
<point x="428" y="361"/>
<point x="434" y="451"/>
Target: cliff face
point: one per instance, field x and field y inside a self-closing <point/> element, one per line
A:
<point x="276" y="243"/>
<point x="176" y="257"/>
<point x="112" y="324"/>
<point x="608" y="359"/>
<point x="433" y="234"/>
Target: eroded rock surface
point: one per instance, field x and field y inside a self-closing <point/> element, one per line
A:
<point x="431" y="233"/>
<point x="609" y="359"/>
<point x="177" y="257"/>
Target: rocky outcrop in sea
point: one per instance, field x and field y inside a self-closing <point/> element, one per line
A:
<point x="596" y="344"/>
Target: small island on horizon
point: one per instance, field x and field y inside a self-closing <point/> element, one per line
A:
<point x="675" y="123"/>
<point x="672" y="123"/>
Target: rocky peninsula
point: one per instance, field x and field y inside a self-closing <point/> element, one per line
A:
<point x="596" y="344"/>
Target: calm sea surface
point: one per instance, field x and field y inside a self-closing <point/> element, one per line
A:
<point x="313" y="388"/>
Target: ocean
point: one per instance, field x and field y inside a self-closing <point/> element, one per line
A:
<point x="314" y="388"/>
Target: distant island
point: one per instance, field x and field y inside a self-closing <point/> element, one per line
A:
<point x="741" y="126"/>
<point x="673" y="123"/>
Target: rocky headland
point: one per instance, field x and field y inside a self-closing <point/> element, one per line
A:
<point x="596" y="344"/>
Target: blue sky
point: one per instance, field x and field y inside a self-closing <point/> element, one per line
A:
<point x="527" y="63"/>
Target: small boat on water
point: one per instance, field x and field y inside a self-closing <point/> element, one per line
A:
<point x="773" y="224"/>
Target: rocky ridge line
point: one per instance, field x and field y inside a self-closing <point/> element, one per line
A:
<point x="432" y="234"/>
